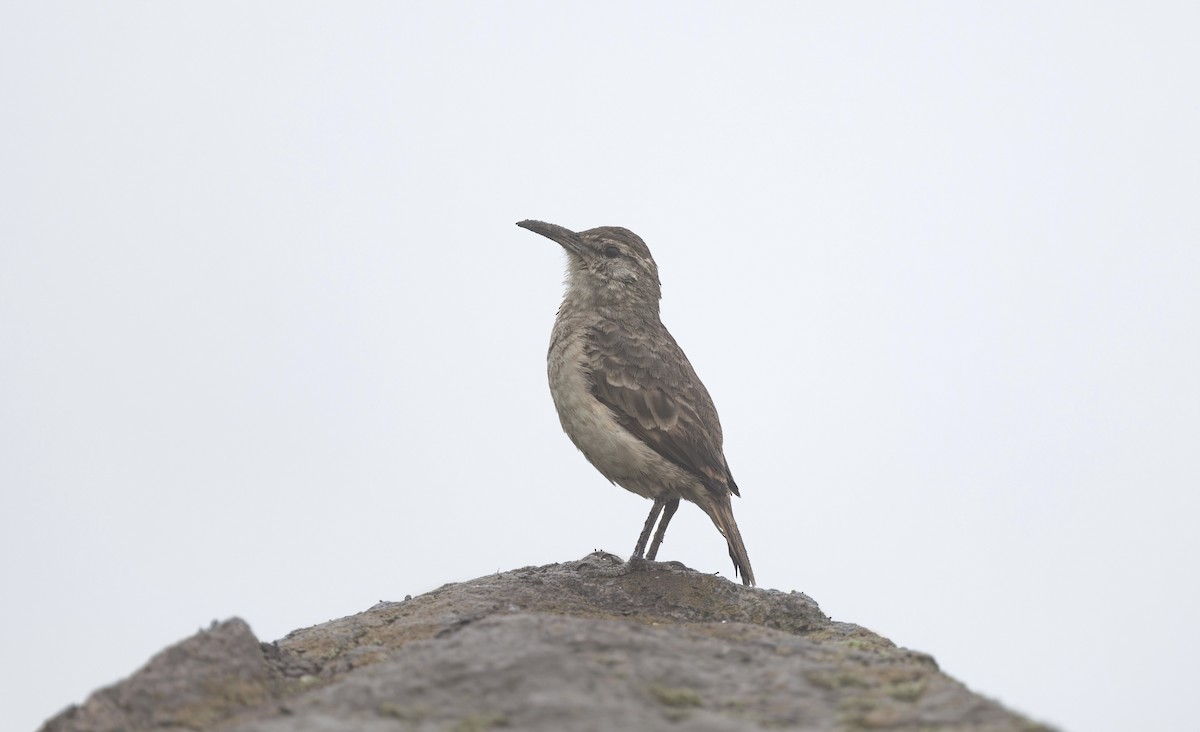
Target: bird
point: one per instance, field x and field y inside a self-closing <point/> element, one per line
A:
<point x="625" y="393"/>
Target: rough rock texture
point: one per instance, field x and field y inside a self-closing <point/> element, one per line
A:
<point x="588" y="645"/>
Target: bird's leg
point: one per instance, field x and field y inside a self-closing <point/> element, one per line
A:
<point x="640" y="549"/>
<point x="669" y="511"/>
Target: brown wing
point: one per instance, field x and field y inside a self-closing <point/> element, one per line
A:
<point x="649" y="385"/>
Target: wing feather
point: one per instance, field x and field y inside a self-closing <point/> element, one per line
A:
<point x="654" y="393"/>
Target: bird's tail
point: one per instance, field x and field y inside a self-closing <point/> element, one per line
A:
<point x="720" y="510"/>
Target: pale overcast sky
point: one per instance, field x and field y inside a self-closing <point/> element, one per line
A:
<point x="273" y="347"/>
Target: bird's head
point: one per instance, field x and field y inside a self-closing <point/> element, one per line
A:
<point x="607" y="266"/>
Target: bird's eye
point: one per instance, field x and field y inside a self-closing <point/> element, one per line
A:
<point x="610" y="251"/>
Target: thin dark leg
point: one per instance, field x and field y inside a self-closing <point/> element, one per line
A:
<point x="671" y="507"/>
<point x="640" y="549"/>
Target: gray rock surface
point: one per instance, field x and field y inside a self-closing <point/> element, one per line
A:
<point x="589" y="645"/>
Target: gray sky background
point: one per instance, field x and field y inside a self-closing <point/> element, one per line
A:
<point x="273" y="347"/>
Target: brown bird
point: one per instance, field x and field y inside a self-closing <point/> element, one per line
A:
<point x="625" y="392"/>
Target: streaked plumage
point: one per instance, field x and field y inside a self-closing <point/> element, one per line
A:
<point x="625" y="392"/>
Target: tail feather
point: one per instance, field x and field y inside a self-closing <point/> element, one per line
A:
<point x="720" y="511"/>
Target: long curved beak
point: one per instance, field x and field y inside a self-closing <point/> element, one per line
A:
<point x="568" y="239"/>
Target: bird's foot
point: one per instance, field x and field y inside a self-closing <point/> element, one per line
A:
<point x="638" y="564"/>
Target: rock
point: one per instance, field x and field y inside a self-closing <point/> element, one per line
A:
<point x="589" y="645"/>
<point x="193" y="684"/>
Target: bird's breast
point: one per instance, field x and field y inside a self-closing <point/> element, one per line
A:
<point x="617" y="453"/>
